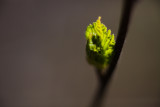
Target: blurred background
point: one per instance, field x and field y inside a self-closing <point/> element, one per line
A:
<point x="42" y="54"/>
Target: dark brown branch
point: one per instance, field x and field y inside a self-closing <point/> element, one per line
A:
<point x="123" y="28"/>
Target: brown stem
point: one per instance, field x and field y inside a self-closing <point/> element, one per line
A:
<point x="123" y="28"/>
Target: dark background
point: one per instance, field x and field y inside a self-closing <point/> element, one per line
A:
<point x="42" y="54"/>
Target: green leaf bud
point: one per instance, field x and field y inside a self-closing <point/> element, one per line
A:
<point x="100" y="44"/>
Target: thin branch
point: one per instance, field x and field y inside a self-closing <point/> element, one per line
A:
<point x="123" y="28"/>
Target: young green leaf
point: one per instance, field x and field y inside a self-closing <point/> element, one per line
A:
<point x="100" y="44"/>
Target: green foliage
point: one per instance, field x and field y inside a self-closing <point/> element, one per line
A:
<point x="100" y="44"/>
